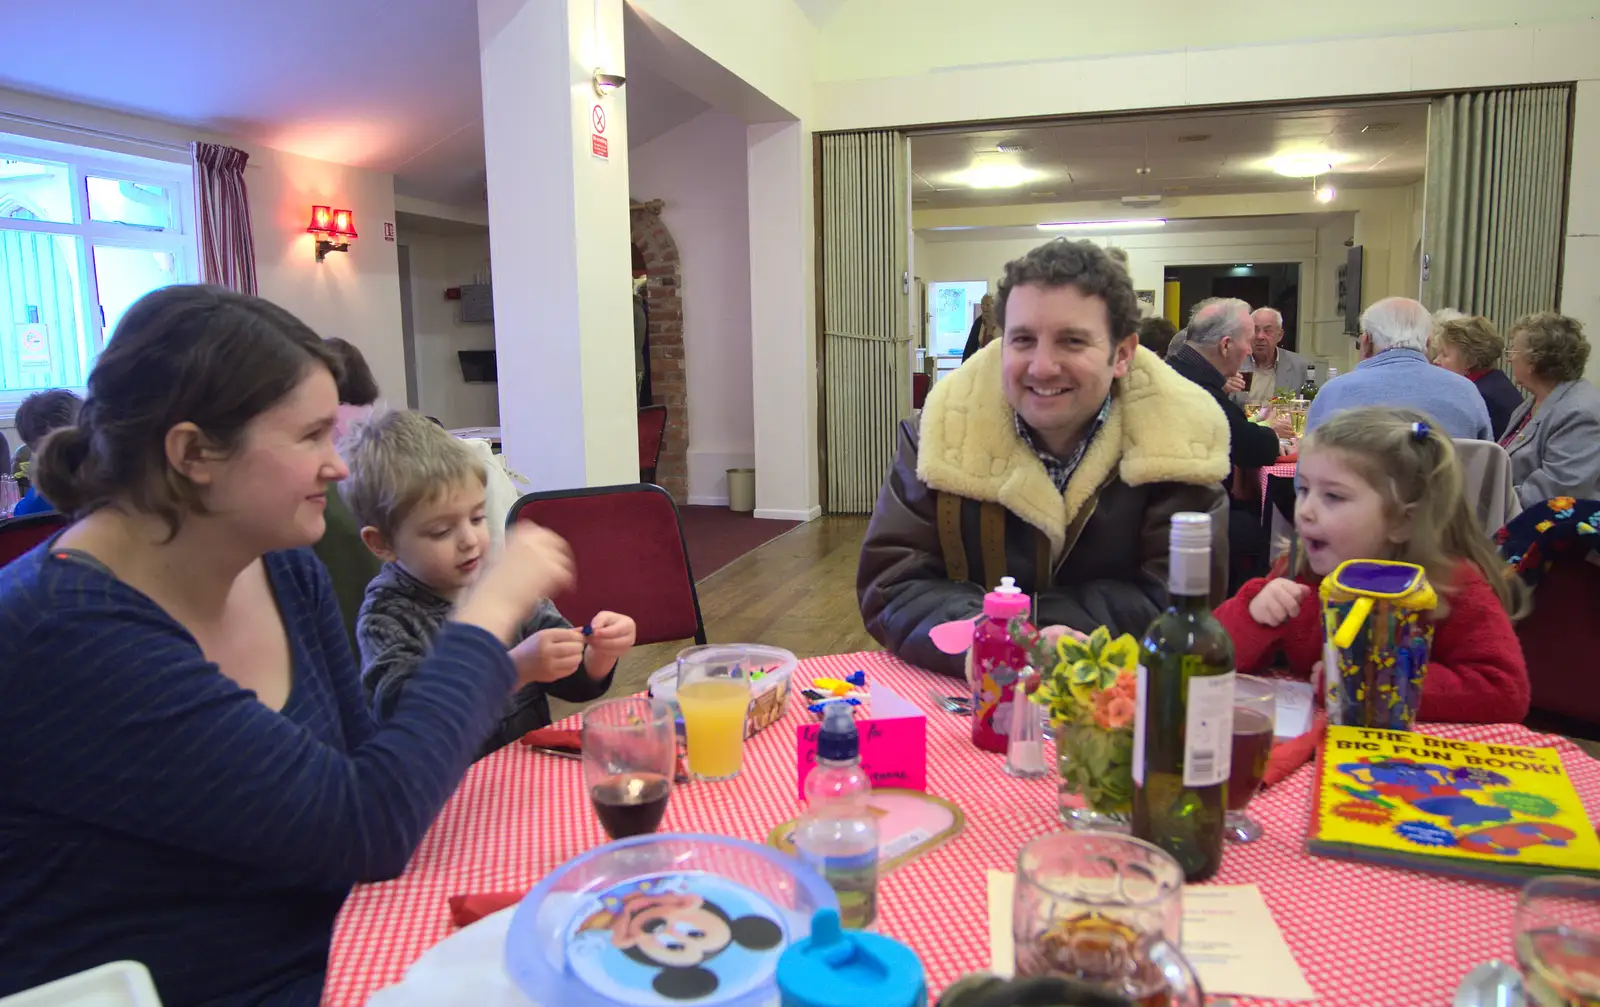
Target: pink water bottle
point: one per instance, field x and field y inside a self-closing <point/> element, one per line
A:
<point x="993" y="664"/>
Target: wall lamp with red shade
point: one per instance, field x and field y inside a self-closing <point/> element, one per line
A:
<point x="335" y="229"/>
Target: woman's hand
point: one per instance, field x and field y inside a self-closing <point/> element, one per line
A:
<point x="536" y="564"/>
<point x="1278" y="602"/>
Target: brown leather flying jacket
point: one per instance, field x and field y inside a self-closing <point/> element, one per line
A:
<point x="967" y="502"/>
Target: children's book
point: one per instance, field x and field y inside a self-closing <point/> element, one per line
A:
<point x="1498" y="812"/>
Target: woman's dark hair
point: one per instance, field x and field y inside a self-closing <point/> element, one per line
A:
<point x="42" y="412"/>
<point x="1080" y="264"/>
<point x="197" y="354"/>
<point x="358" y="387"/>
<point x="1156" y="334"/>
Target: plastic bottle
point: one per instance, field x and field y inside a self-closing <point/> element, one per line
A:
<point x="838" y="835"/>
<point x="993" y="665"/>
<point x="832" y="968"/>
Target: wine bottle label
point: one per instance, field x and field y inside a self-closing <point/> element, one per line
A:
<point x="1141" y="691"/>
<point x="1208" y="735"/>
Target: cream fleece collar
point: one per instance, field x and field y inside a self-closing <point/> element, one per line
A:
<point x="1162" y="427"/>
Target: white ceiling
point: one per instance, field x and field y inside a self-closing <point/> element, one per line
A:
<point x="1188" y="154"/>
<point x="390" y="85"/>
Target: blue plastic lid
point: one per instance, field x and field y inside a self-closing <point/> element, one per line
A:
<point x="838" y="741"/>
<point x="835" y="968"/>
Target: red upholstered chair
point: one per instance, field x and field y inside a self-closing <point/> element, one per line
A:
<point x="628" y="546"/>
<point x="652" y="434"/>
<point x="1560" y="638"/>
<point x="19" y="534"/>
<point x="920" y="383"/>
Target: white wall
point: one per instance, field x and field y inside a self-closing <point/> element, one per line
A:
<point x="769" y="46"/>
<point x="698" y="171"/>
<point x="1580" y="293"/>
<point x="438" y="262"/>
<point x="938" y="34"/>
<point x="995" y="66"/>
<point x="355" y="294"/>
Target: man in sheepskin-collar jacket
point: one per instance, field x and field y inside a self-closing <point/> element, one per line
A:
<point x="1057" y="455"/>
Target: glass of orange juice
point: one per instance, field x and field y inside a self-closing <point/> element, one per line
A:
<point x="714" y="696"/>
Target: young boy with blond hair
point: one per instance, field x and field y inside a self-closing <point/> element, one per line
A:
<point x="418" y="494"/>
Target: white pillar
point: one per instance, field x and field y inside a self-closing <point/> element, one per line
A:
<point x="783" y="350"/>
<point x="559" y="240"/>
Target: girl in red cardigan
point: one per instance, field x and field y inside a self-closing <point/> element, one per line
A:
<point x="1384" y="484"/>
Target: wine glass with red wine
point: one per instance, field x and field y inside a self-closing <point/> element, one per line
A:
<point x="1255" y="708"/>
<point x="630" y="748"/>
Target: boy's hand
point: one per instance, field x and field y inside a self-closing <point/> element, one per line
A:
<point x="612" y="634"/>
<point x="548" y="655"/>
<point x="536" y="564"/>
<point x="1278" y="602"/>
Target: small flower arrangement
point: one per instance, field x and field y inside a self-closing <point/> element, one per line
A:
<point x="1089" y="686"/>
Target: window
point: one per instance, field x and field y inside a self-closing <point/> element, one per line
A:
<point x="83" y="234"/>
<point x="953" y="306"/>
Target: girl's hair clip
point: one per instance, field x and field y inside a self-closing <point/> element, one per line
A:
<point x="1420" y="431"/>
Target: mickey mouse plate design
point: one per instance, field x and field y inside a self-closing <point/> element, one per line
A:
<point x="663" y="920"/>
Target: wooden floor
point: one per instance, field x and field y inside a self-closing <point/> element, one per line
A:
<point x="797" y="592"/>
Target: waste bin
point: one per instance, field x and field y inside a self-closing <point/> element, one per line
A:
<point x="742" y="490"/>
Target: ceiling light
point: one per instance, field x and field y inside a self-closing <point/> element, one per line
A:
<point x="1325" y="194"/>
<point x="1301" y="165"/>
<point x="1194" y="138"/>
<point x="1381" y="127"/>
<point x="1009" y="148"/>
<point x="997" y="175"/>
<point x="1101" y="225"/>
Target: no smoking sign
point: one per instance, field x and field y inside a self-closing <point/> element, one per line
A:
<point x="599" y="146"/>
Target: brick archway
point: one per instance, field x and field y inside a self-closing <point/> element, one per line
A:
<point x="665" y="304"/>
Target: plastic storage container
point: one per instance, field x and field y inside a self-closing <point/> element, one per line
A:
<point x="663" y="920"/>
<point x="769" y="694"/>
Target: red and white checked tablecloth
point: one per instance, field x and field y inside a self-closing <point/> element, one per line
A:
<point x="1363" y="936"/>
<point x="1281" y="470"/>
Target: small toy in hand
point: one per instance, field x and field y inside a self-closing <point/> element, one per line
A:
<point x="588" y="631"/>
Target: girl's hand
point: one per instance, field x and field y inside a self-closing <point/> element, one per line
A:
<point x="536" y="564"/>
<point x="1278" y="602"/>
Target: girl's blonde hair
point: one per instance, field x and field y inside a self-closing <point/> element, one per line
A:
<point x="1413" y="465"/>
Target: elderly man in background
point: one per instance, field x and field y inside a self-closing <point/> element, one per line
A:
<point x="1221" y="333"/>
<point x="1275" y="370"/>
<point x="1394" y="371"/>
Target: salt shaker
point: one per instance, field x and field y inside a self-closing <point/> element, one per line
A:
<point x="1025" y="752"/>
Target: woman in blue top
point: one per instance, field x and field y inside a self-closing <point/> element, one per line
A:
<point x="189" y="777"/>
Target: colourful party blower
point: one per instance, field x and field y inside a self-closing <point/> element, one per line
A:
<point x="1375" y="613"/>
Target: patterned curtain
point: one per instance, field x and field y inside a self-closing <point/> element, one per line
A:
<point x="222" y="208"/>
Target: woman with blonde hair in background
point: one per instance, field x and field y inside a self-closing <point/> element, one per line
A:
<point x="1472" y="347"/>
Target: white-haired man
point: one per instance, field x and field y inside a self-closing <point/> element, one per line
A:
<point x="1274" y="370"/>
<point x="1394" y="371"/>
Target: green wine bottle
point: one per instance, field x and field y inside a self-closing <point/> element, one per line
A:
<point x="1183" y="720"/>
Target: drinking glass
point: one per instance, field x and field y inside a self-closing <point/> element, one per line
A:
<point x="1255" y="707"/>
<point x="630" y="749"/>
<point x="1105" y="910"/>
<point x="1557" y="936"/>
<point x="714" y="698"/>
<point x="10" y="495"/>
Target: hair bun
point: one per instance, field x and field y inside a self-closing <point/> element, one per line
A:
<point x="58" y="469"/>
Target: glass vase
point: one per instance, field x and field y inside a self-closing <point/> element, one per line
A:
<point x="1085" y="772"/>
